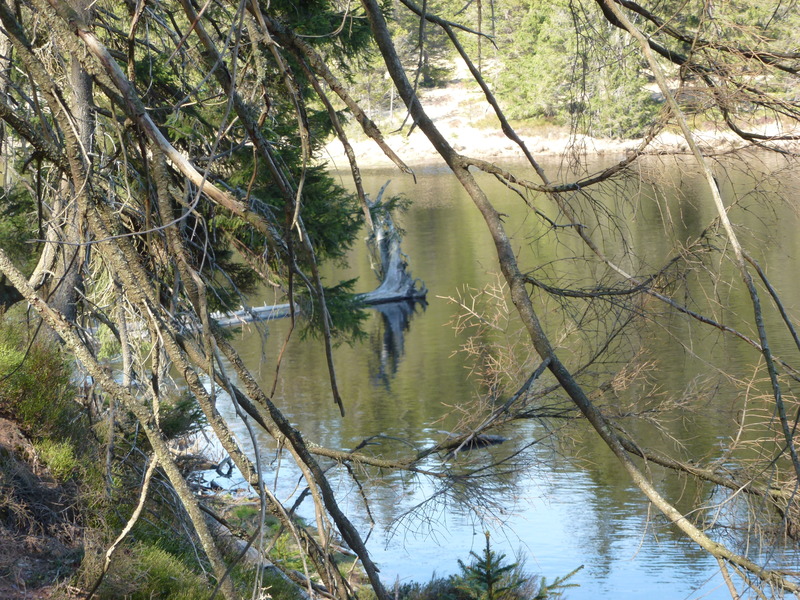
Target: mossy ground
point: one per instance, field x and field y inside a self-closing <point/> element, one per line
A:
<point x="64" y="499"/>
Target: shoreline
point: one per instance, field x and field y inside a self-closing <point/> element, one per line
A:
<point x="493" y="146"/>
<point x="468" y="124"/>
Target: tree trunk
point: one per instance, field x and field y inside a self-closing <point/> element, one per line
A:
<point x="58" y="274"/>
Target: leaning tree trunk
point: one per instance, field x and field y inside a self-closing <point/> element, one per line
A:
<point x="58" y="275"/>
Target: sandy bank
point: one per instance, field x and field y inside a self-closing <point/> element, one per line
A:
<point x="493" y="146"/>
<point x="463" y="117"/>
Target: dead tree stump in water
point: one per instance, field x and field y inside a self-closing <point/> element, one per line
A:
<point x="389" y="262"/>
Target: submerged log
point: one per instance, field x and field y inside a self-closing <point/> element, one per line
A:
<point x="250" y="314"/>
<point x="456" y="443"/>
<point x="471" y="441"/>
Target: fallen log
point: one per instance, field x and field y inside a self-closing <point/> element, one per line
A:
<point x="250" y="314"/>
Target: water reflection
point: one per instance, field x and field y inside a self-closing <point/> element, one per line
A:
<point x="395" y="321"/>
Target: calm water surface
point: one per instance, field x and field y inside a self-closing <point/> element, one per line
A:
<point x="573" y="505"/>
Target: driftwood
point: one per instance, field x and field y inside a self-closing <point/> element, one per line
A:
<point x="250" y="314"/>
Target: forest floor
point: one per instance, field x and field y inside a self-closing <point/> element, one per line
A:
<point x="40" y="541"/>
<point x="461" y="113"/>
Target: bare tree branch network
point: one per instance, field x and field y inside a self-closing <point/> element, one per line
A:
<point x="171" y="154"/>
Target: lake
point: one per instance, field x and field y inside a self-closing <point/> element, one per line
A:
<point x="566" y="502"/>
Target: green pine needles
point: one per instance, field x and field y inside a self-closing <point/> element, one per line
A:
<point x="488" y="578"/>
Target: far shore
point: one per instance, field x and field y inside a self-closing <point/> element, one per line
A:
<point x="493" y="146"/>
<point x="468" y="123"/>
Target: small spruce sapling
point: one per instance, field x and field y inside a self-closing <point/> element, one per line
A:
<point x="488" y="578"/>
